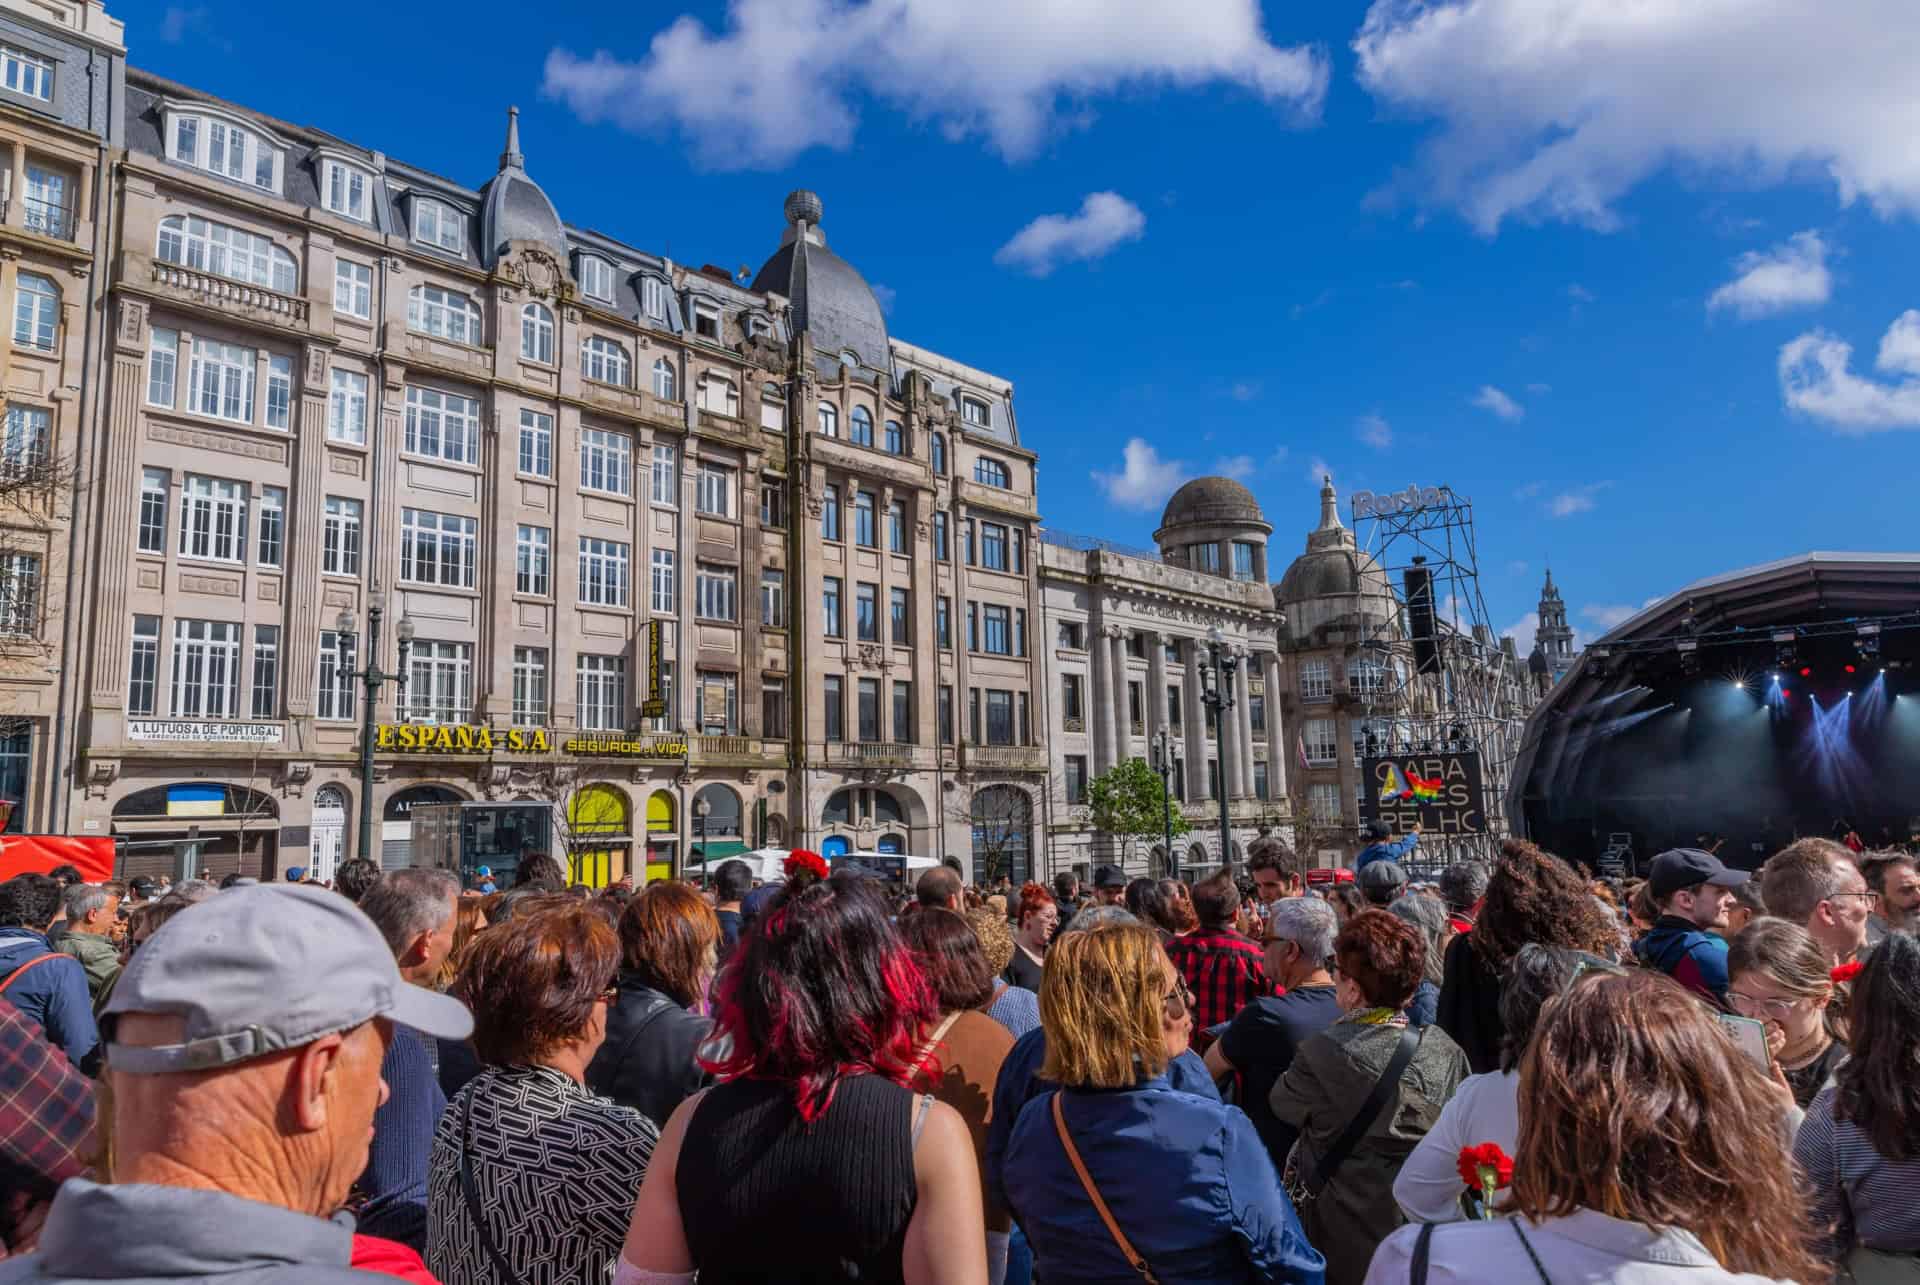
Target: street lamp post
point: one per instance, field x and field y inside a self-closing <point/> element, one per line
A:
<point x="1217" y="674"/>
<point x="371" y="679"/>
<point x="1163" y="764"/>
<point x="701" y="807"/>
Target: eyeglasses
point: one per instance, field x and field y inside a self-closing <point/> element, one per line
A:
<point x="1755" y="1005"/>
<point x="1835" y="896"/>
<point x="1180" y="1000"/>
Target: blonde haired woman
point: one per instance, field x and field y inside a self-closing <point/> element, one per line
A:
<point x="1118" y="1176"/>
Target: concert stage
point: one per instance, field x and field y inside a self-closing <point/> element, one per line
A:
<point x="1758" y="705"/>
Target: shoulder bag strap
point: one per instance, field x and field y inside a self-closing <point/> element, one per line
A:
<point x="500" y="1265"/>
<point x="1324" y="1169"/>
<point x="1093" y="1193"/>
<point x="35" y="962"/>
<point x="1000" y="988"/>
<point x="932" y="1042"/>
<point x="1526" y="1244"/>
<point x="1422" y="1249"/>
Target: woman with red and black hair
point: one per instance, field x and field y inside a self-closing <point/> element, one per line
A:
<point x="530" y="1174"/>
<point x="1039" y="917"/>
<point x="812" y="1159"/>
<point x="1379" y="961"/>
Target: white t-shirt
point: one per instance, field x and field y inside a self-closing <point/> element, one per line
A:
<point x="1485" y="1108"/>
<point x="1583" y="1247"/>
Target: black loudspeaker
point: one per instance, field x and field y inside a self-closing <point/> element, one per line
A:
<point x="1419" y="591"/>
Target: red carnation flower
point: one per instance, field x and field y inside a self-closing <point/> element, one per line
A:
<point x="801" y="859"/>
<point x="1486" y="1169"/>
<point x="1846" y="972"/>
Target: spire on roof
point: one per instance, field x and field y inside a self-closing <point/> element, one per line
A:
<point x="512" y="158"/>
<point x="1329" y="505"/>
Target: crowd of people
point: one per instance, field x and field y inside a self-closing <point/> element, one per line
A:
<point x="1518" y="1072"/>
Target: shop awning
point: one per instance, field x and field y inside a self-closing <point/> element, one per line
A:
<point x="699" y="853"/>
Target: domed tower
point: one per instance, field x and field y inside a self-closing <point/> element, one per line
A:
<point x="832" y="302"/>
<point x="1333" y="584"/>
<point x="516" y="208"/>
<point x="1213" y="524"/>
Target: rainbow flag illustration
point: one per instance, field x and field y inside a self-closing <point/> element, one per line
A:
<point x="1406" y="784"/>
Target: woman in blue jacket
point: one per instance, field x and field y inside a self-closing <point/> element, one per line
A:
<point x="1117" y="1174"/>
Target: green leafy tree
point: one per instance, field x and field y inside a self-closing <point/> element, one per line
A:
<point x="1129" y="801"/>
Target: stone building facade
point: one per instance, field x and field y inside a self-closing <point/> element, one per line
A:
<point x="1128" y="633"/>
<point x="701" y="565"/>
<point x="62" y="65"/>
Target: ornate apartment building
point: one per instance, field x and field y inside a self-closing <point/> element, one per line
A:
<point x="704" y="565"/>
<point x="61" y="84"/>
<point x="1129" y="634"/>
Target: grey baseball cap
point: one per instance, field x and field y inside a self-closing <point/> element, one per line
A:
<point x="259" y="969"/>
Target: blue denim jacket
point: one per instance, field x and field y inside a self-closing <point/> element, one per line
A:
<point x="1019" y="1083"/>
<point x="1186" y="1178"/>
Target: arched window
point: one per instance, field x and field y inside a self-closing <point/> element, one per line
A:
<point x="719" y="395"/>
<point x="829" y="421"/>
<point x="989" y="472"/>
<point x="839" y="809"/>
<point x="36" y="311"/>
<point x="716" y="814"/>
<point x="896" y="439"/>
<point x="862" y="434"/>
<point x="892" y="844"/>
<point x="1002" y="834"/>
<point x="938" y="450"/>
<point x="887" y="808"/>
<point x="665" y="385"/>
<point x="536" y="333"/>
<point x="447" y="314"/>
<point x="604" y="360"/>
<point x="194" y="242"/>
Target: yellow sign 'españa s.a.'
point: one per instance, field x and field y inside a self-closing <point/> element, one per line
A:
<point x="460" y="738"/>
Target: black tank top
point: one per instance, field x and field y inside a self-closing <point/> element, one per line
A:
<point x="765" y="1197"/>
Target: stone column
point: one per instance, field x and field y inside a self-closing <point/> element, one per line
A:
<point x="302" y="599"/>
<point x="1244" y="749"/>
<point x="1122" y="712"/>
<point x="1156" y="694"/>
<point x="1279" y="755"/>
<point x="1195" y="714"/>
<point x="119" y="506"/>
<point x="1100" y="700"/>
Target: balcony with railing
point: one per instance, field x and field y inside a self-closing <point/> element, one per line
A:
<point x="229" y="295"/>
<point x="48" y="218"/>
<point x="738" y="751"/>
<point x="888" y="754"/>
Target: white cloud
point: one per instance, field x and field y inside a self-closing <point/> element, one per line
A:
<point x="782" y="76"/>
<point x="1608" y="617"/>
<point x="1817" y="380"/>
<point x="1554" y="110"/>
<point x="1144" y="481"/>
<point x="178" y="20"/>
<point x="1578" y="500"/>
<point x="1237" y="467"/>
<point x="1522" y="632"/>
<point x="884" y="295"/>
<point x="1791" y="275"/>
<point x="1105" y="220"/>
<point x="1244" y="390"/>
<point x="1492" y="399"/>
<point x="1374" y="431"/>
<point x="1579" y="293"/>
<point x="1278" y="457"/>
<point x="1318" y="471"/>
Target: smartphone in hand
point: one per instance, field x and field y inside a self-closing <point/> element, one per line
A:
<point x="1751" y="1036"/>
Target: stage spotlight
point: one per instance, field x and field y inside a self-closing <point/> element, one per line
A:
<point x="1849" y="669"/>
<point x="1806" y="672"/>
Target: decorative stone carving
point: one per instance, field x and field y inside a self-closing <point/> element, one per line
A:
<point x="541" y="274"/>
<point x="293" y="777"/>
<point x="101" y="774"/>
<point x="874" y="656"/>
<point x="317" y="368"/>
<point x="133" y="322"/>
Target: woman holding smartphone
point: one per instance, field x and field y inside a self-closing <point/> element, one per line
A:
<point x="1778" y="976"/>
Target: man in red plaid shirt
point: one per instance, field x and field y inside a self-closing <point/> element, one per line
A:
<point x="46" y="1124"/>
<point x="1224" y="970"/>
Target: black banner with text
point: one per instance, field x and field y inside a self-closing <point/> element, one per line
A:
<point x="1440" y="791"/>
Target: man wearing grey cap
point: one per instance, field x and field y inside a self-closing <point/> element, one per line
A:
<point x="244" y="1042"/>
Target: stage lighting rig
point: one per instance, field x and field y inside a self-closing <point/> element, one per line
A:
<point x="1786" y="650"/>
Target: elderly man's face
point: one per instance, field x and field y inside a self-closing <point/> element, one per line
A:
<point x="358" y="1092"/>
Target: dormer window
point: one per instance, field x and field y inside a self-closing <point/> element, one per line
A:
<point x="439" y="224"/>
<point x="26" y="73"/>
<point x="224" y="148"/>
<point x="653" y="297"/>
<point x="346" y="191"/>
<point x="596" y="278"/>
<point x="759" y="327"/>
<point x="973" y="411"/>
<point x="706" y="321"/>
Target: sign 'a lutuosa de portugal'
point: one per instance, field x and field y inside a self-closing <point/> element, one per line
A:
<point x="1441" y="791"/>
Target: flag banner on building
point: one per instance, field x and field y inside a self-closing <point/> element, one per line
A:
<point x="1440" y="791"/>
<point x="196" y="800"/>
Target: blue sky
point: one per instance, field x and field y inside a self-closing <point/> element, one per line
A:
<point x="1595" y="273"/>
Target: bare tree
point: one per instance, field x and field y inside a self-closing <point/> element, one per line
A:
<point x="1000" y="817"/>
<point x="38" y="491"/>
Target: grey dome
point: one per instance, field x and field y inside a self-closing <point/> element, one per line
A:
<point x="832" y="302"/>
<point x="516" y="208"/>
<point x="1211" y="501"/>
<point x="1333" y="565"/>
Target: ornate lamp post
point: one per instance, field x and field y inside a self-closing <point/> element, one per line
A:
<point x="371" y="679"/>
<point x="1217" y="674"/>
<point x="1163" y="744"/>
<point x="701" y="807"/>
